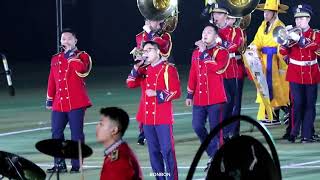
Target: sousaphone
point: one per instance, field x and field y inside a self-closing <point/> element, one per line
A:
<point x="239" y="8"/>
<point x="158" y="10"/>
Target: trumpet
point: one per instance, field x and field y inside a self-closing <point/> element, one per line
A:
<point x="136" y="52"/>
<point x="282" y="35"/>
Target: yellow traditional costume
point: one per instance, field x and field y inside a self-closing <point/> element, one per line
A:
<point x="274" y="67"/>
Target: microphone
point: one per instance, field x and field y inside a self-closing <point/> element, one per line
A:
<point x="8" y="75"/>
<point x="137" y="61"/>
<point x="62" y="47"/>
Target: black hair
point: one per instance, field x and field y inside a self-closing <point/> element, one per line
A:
<point x="117" y="115"/>
<point x="215" y="28"/>
<point x="69" y="30"/>
<point x="154" y="44"/>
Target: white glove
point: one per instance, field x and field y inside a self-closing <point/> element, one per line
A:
<point x="210" y="2"/>
<point x="289" y="27"/>
<point x="218" y="40"/>
<point x="252" y="47"/>
<point x="147" y="28"/>
<point x="294" y="36"/>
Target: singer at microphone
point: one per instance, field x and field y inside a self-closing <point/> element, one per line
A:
<point x="62" y="48"/>
<point x="67" y="95"/>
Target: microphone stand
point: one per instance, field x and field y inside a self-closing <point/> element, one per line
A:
<point x="7" y="72"/>
<point x="56" y="169"/>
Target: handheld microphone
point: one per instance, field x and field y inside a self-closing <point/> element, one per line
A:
<point x="137" y="61"/>
<point x="62" y="47"/>
<point x="8" y="75"/>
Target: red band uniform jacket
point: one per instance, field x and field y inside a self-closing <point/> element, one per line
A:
<point x="231" y="40"/>
<point x="66" y="85"/>
<point x="120" y="163"/>
<point x="164" y="41"/>
<point x="162" y="78"/>
<point x="205" y="84"/>
<point x="302" y="58"/>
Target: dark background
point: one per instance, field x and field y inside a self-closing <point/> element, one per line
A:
<point x="106" y="29"/>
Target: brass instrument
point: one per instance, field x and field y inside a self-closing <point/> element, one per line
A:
<point x="281" y="34"/>
<point x="136" y="53"/>
<point x="239" y="8"/>
<point x="158" y="10"/>
<point x="245" y="21"/>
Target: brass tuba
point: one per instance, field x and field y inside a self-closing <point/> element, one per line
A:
<point x="239" y="8"/>
<point x="245" y="21"/>
<point x="158" y="10"/>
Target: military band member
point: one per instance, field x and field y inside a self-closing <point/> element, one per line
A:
<point x="120" y="162"/>
<point x="303" y="74"/>
<point x="152" y="32"/>
<point x="160" y="85"/>
<point x="67" y="95"/>
<point x="273" y="64"/>
<point x="240" y="68"/>
<point x="206" y="93"/>
<point x="230" y="39"/>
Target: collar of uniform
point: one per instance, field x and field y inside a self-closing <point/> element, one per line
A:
<point x="273" y="23"/>
<point x="211" y="46"/>
<point x="224" y="26"/>
<point x="113" y="147"/>
<point x="70" y="53"/>
<point x="307" y="30"/>
<point x="157" y="63"/>
<point x="150" y="35"/>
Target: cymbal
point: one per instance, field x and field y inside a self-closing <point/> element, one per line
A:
<point x="63" y="148"/>
<point x="22" y="169"/>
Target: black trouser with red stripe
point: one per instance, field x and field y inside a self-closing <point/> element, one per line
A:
<point x="304" y="98"/>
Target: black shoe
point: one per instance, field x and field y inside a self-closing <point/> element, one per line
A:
<point x="316" y="137"/>
<point x="292" y="138"/>
<point x="286" y="136"/>
<point x="74" y="170"/>
<point x="62" y="169"/>
<point x="307" y="140"/>
<point x="274" y="122"/>
<point x="141" y="141"/>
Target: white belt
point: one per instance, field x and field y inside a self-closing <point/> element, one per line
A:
<point x="238" y="57"/>
<point x="232" y="55"/>
<point x="303" y="63"/>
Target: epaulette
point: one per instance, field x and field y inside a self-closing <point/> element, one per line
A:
<point x="291" y="43"/>
<point x="56" y="54"/>
<point x="82" y="52"/>
<point x="114" y="155"/>
<point x="169" y="64"/>
<point x="140" y="33"/>
<point x="220" y="47"/>
<point x="317" y="52"/>
<point x="316" y="30"/>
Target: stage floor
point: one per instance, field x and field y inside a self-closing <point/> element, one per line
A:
<point x="25" y="121"/>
